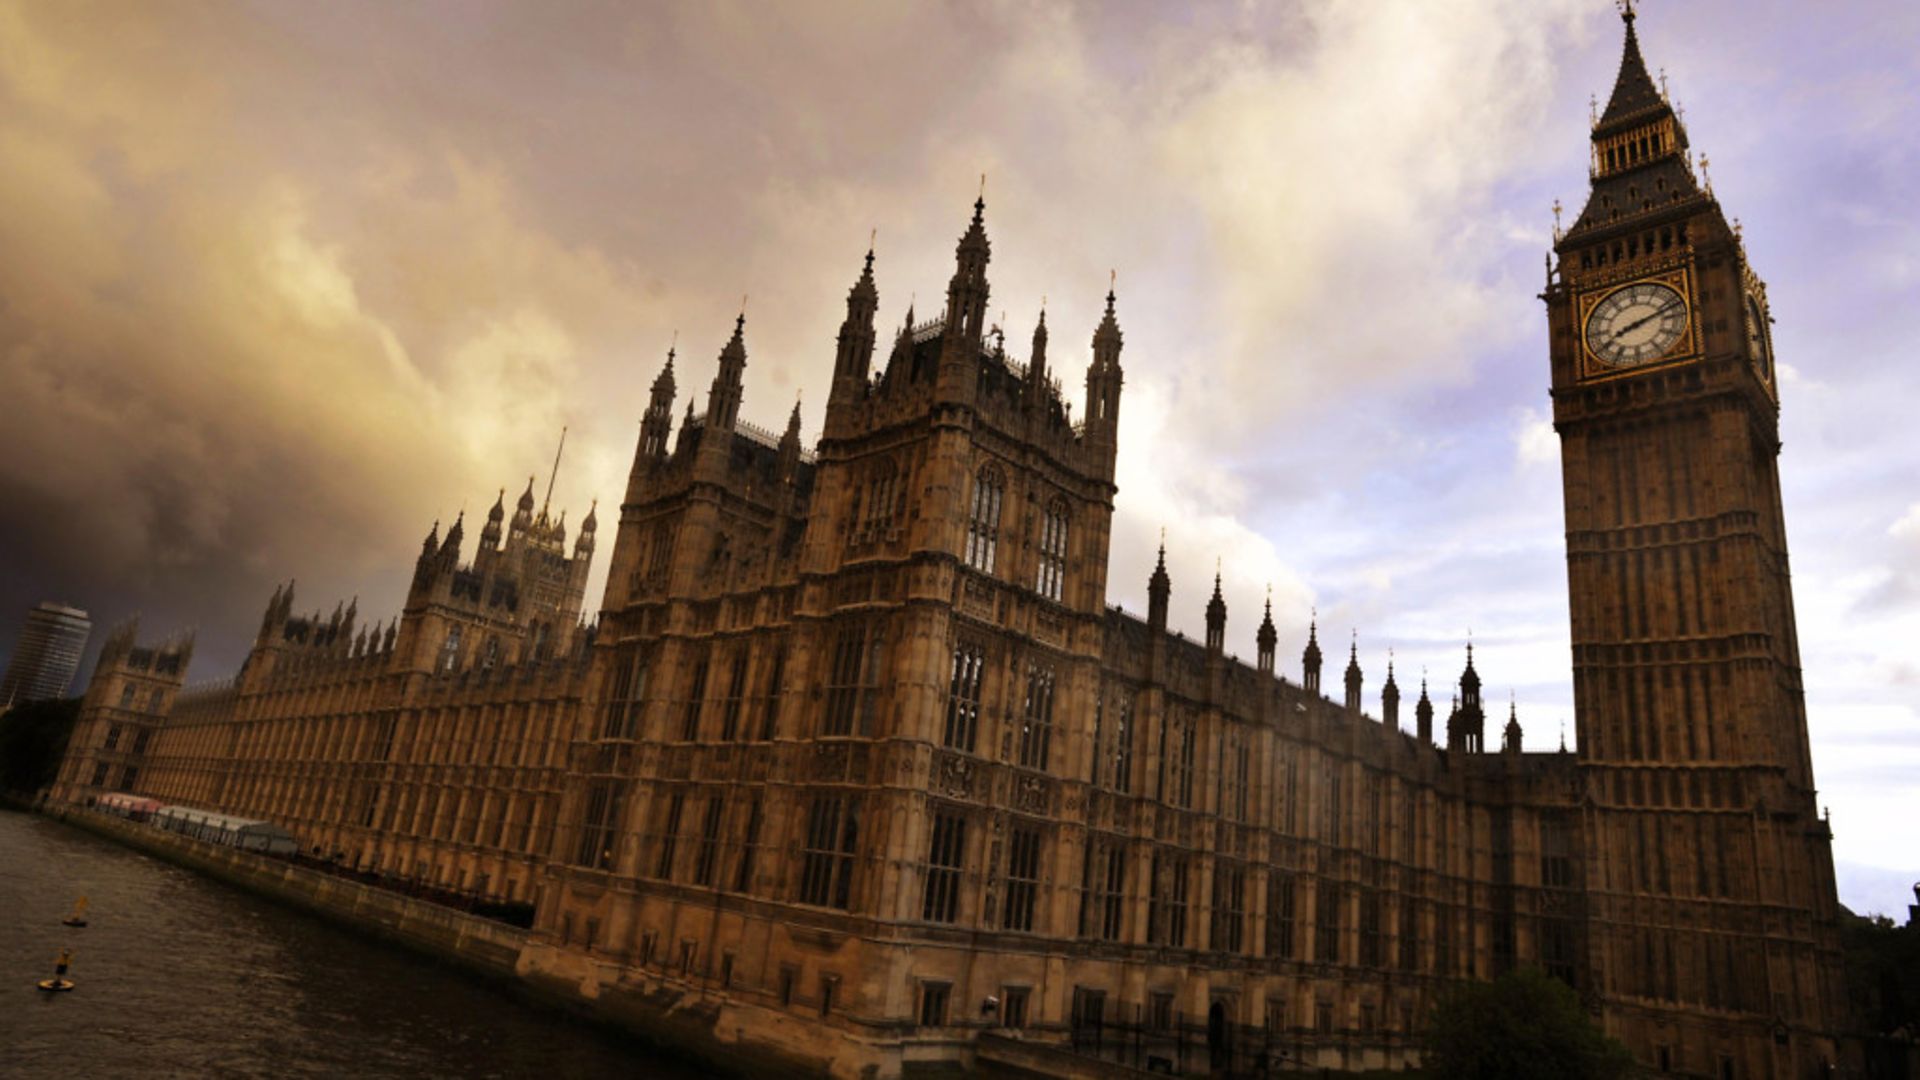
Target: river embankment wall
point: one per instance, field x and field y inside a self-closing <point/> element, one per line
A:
<point x="482" y="946"/>
<point x="728" y="1036"/>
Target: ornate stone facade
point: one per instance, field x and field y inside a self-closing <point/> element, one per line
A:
<point x="858" y="763"/>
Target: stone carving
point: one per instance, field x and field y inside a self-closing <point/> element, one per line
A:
<point x="955" y="776"/>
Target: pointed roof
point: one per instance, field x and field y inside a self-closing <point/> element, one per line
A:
<point x="1267" y="635"/>
<point x="736" y="347"/>
<point x="1312" y="654"/>
<point x="1469" y="679"/>
<point x="1633" y="89"/>
<point x="975" y="238"/>
<point x="664" y="380"/>
<point x="1107" y="337"/>
<point x="525" y="505"/>
<point x="1037" y="359"/>
<point x="499" y="508"/>
<point x="864" y="289"/>
<point x="1217" y="606"/>
<point x="792" y="434"/>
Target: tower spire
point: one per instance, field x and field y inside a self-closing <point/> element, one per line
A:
<point x="1310" y="657"/>
<point x="1216" y="616"/>
<point x="1159" y="589"/>
<point x="1266" y="637"/>
<point x="723" y="401"/>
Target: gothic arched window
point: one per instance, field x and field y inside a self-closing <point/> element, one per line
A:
<point x="875" y="517"/>
<point x="1053" y="550"/>
<point x="983" y="520"/>
<point x="450" y="650"/>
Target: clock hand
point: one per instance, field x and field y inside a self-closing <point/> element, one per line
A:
<point x="1638" y="323"/>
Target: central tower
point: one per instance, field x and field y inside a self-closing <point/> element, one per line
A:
<point x="1718" y="901"/>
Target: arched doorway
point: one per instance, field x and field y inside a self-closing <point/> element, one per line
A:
<point x="1219" y="1040"/>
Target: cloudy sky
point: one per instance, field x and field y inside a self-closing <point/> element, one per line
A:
<point x="282" y="284"/>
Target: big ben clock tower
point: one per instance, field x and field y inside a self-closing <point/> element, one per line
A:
<point x="1712" y="905"/>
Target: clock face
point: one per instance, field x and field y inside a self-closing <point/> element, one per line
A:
<point x="1636" y="324"/>
<point x="1757" y="338"/>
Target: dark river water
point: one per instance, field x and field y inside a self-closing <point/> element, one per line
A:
<point x="180" y="976"/>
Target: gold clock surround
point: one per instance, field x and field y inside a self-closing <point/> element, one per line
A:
<point x="1684" y="348"/>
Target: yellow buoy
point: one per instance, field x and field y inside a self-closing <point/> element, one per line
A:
<point x="79" y="916"/>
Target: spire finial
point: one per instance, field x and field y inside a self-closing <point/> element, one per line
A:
<point x="673" y="347"/>
<point x="1626" y="11"/>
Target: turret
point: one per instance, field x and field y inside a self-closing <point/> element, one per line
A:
<point x="271" y="619"/>
<point x="523" y="510"/>
<point x="1216" y="618"/>
<point x="967" y="292"/>
<point x="1423" y="715"/>
<point x="1038" y="392"/>
<point x="1510" y="738"/>
<point x="1310" y="658"/>
<point x="1266" y="638"/>
<point x="490" y="533"/>
<point x="1390" y="698"/>
<point x="450" y="548"/>
<point x="723" y="402"/>
<point x="790" y="446"/>
<point x="957" y="380"/>
<point x="1468" y="731"/>
<point x="854" y="356"/>
<point x="1159" y="589"/>
<point x="1104" y="380"/>
<point x="657" y="423"/>
<point x="1353" y="674"/>
<point x="583" y="547"/>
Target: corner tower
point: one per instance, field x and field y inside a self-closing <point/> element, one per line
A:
<point x="1692" y="727"/>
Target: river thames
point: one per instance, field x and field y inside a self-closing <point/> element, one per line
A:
<point x="181" y="976"/>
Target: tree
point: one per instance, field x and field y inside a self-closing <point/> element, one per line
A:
<point x="33" y="736"/>
<point x="1883" y="972"/>
<point x="1522" y="1025"/>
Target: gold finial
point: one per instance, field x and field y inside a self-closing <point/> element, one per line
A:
<point x="1556" y="219"/>
<point x="1706" y="178"/>
<point x="1593" y="110"/>
<point x="1113" y="278"/>
<point x="1663" y="84"/>
<point x="873" y="235"/>
<point x="1626" y="9"/>
<point x="743" y="305"/>
<point x="983" y="186"/>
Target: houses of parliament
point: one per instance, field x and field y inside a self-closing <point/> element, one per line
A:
<point x="857" y="770"/>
